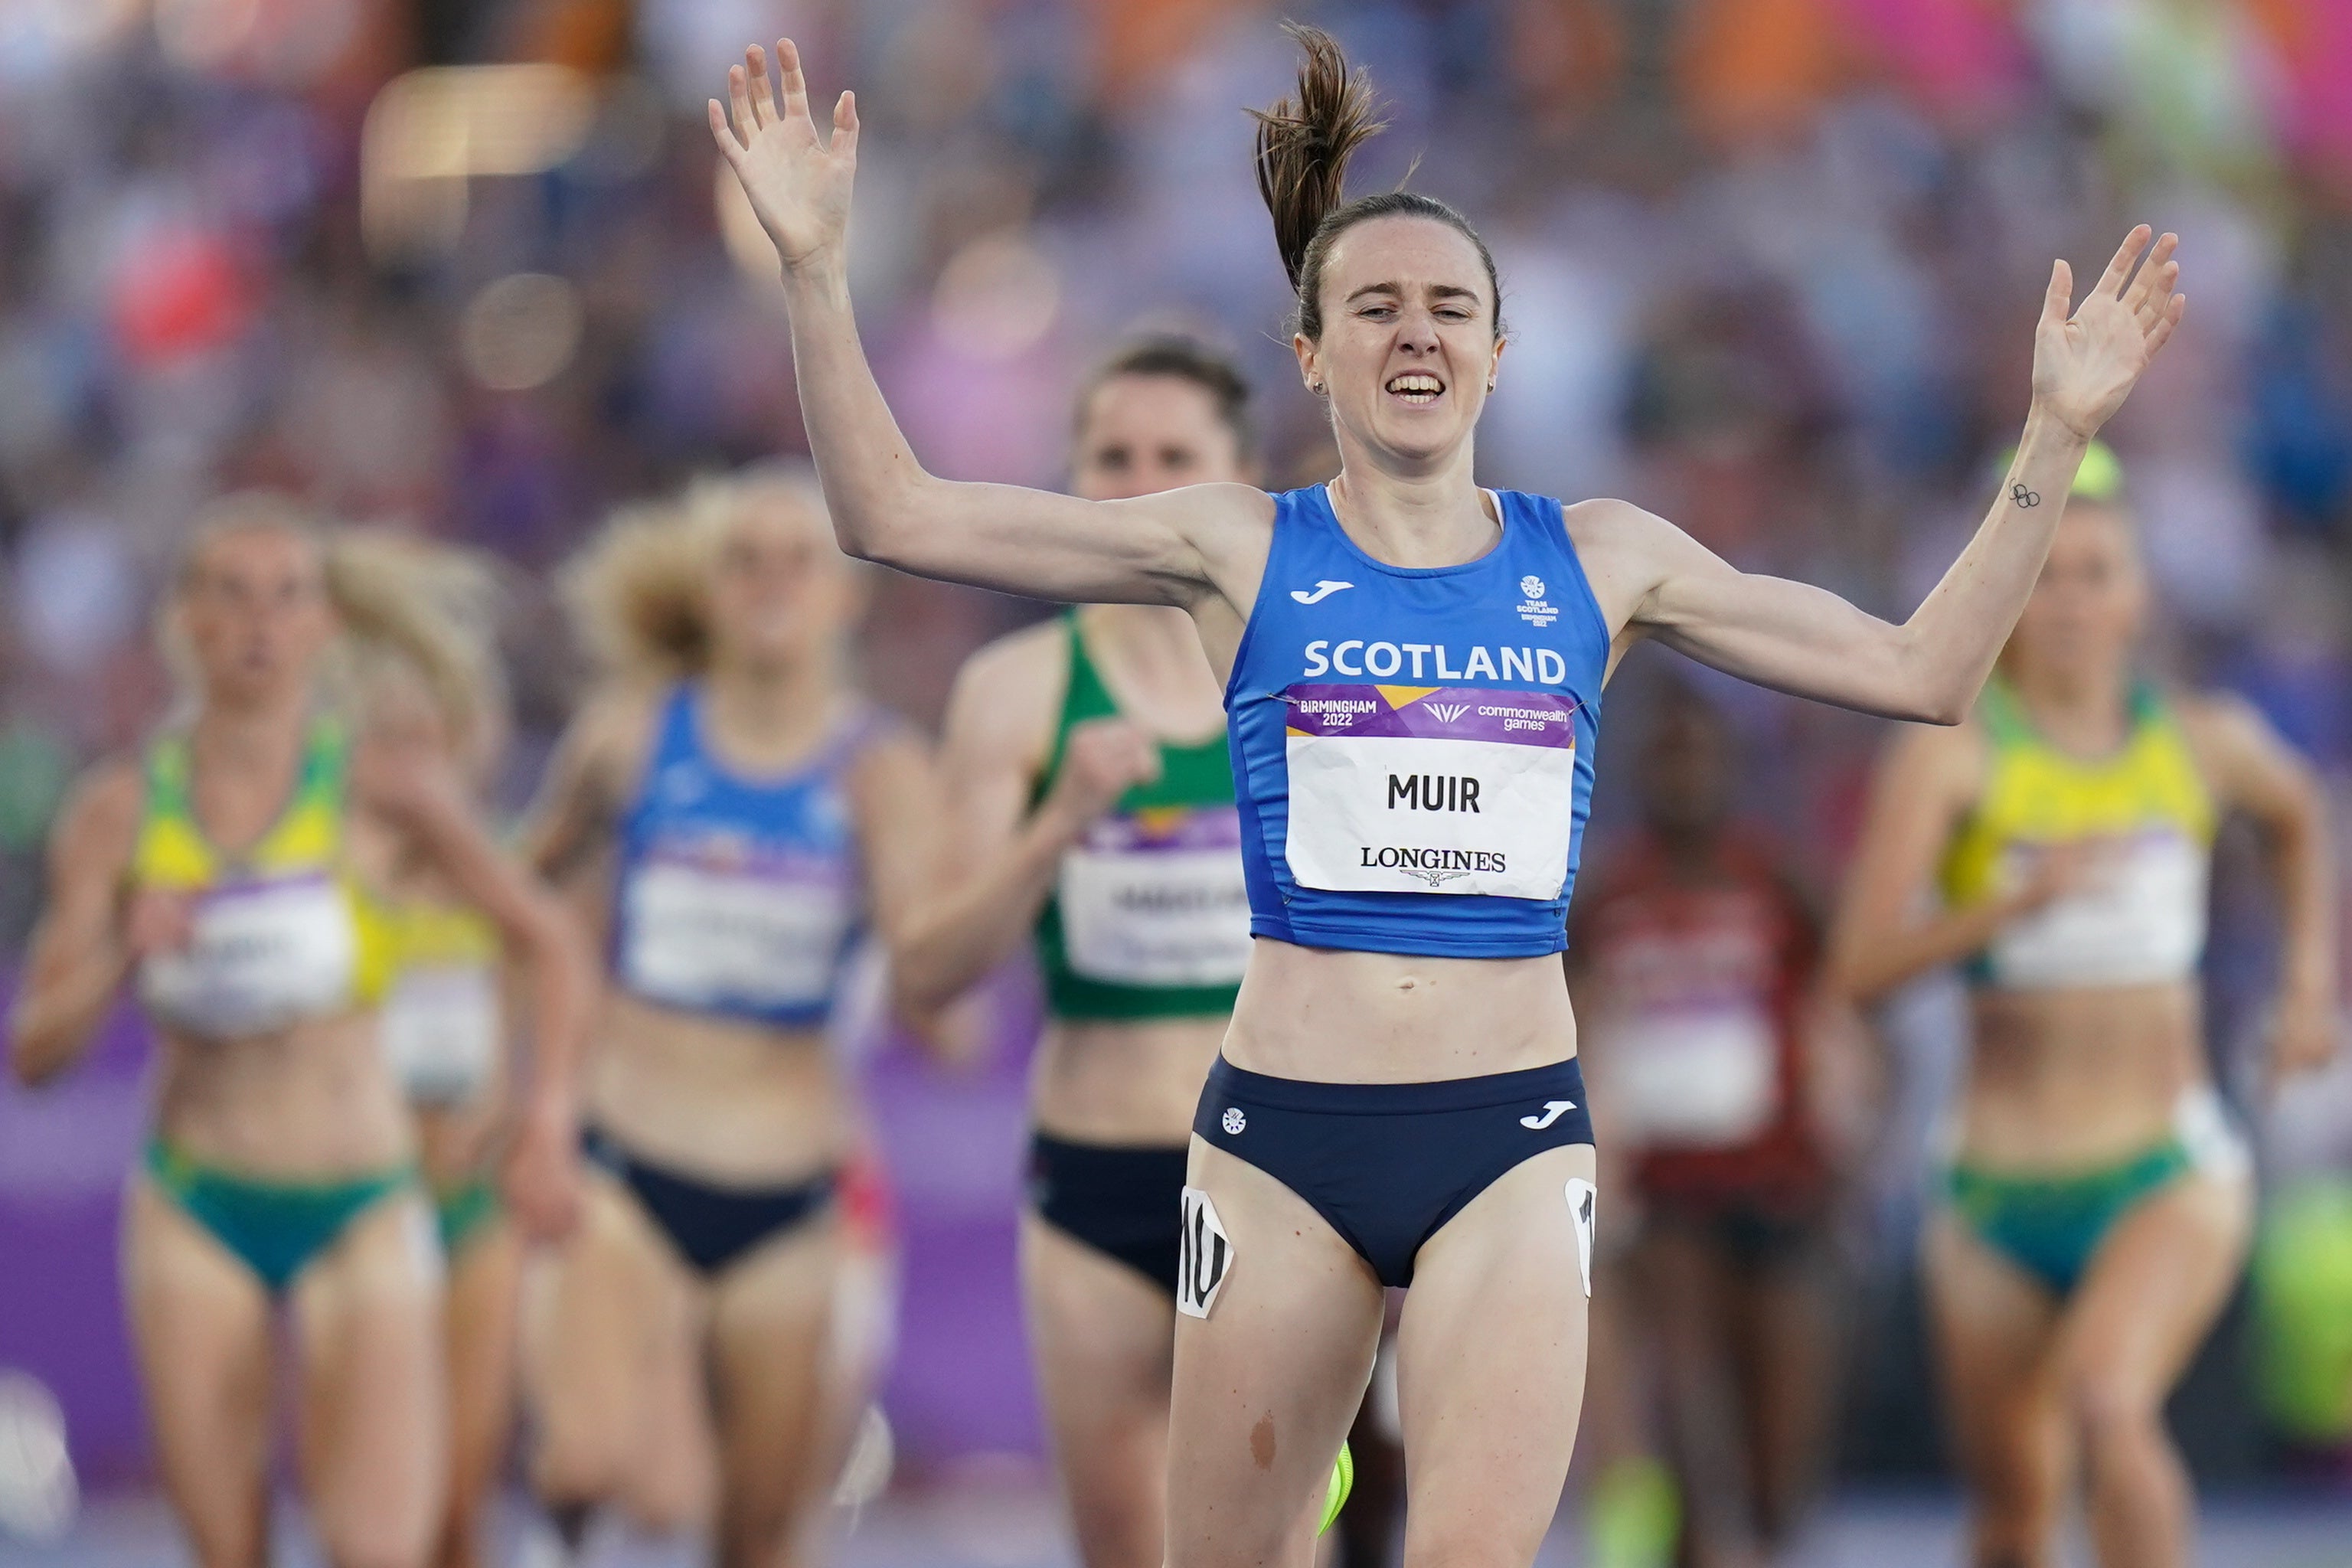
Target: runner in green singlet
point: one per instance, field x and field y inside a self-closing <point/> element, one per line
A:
<point x="1094" y="808"/>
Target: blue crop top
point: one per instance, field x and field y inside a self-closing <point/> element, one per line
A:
<point x="739" y="896"/>
<point x="1412" y="746"/>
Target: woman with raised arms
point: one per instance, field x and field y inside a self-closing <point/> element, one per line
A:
<point x="2098" y="1202"/>
<point x="238" y="876"/>
<point x="736" y="816"/>
<point x="1413" y="672"/>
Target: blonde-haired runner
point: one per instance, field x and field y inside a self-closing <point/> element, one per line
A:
<point x="2096" y="1201"/>
<point x="735" y="815"/>
<point x="235" y="874"/>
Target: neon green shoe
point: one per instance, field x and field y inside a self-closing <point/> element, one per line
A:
<point x="1335" y="1496"/>
<point x="1633" y="1516"/>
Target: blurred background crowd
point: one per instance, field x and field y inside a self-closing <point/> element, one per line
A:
<point x="1770" y="269"/>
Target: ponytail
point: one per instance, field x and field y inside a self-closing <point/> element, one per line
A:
<point x="1302" y="152"/>
<point x="1303" y="148"/>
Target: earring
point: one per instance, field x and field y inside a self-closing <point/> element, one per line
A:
<point x="1316" y="387"/>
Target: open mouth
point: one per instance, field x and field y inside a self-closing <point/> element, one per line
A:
<point x="1417" y="387"/>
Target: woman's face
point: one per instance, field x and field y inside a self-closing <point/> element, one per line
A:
<point x="1144" y="434"/>
<point x="782" y="591"/>
<point x="2087" y="606"/>
<point x="1409" y="343"/>
<point x="254" y="611"/>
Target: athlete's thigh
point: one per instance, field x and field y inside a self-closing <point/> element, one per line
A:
<point x="200" y="1322"/>
<point x="770" y="1354"/>
<point x="480" y="1335"/>
<point x="374" y="1442"/>
<point x="1490" y="1365"/>
<point x="1995" y="1335"/>
<point x="2153" y="1289"/>
<point x="1265" y="1385"/>
<point x="612" y="1366"/>
<point x="1103" y="1338"/>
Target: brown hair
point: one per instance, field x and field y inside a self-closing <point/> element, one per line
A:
<point x="1302" y="149"/>
<point x="1183" y="358"/>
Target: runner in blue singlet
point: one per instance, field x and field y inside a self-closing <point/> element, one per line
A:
<point x="1414" y="669"/>
<point x="734" y="815"/>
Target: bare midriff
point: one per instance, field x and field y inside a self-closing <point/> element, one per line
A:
<point x="315" y="1101"/>
<point x="736" y="1102"/>
<point x="2069" y="1079"/>
<point x="1334" y="1017"/>
<point x="1129" y="1082"/>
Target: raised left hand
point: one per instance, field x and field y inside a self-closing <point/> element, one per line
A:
<point x="2084" y="365"/>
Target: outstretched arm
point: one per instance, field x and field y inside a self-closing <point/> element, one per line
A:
<point x="1808" y="642"/>
<point x="1168" y="549"/>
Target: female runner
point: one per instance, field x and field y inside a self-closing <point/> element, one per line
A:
<point x="744" y="814"/>
<point x="2097" y="1203"/>
<point x="1094" y="803"/>
<point x="435" y="686"/>
<point x="234" y="875"/>
<point x="1415" y="671"/>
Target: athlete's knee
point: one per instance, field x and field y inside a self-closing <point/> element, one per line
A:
<point x="383" y="1541"/>
<point x="2118" y="1424"/>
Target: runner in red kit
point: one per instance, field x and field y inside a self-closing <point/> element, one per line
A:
<point x="1697" y="955"/>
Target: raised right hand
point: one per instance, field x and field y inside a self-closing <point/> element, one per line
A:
<point x="1101" y="760"/>
<point x="798" y="182"/>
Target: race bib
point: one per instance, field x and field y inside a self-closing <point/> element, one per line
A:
<point x="1156" y="898"/>
<point x="700" y="937"/>
<point x="1705" y="1078"/>
<point x="260" y="956"/>
<point x="1420" y="789"/>
<point x="2138" y="917"/>
<point x="442" y="1030"/>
